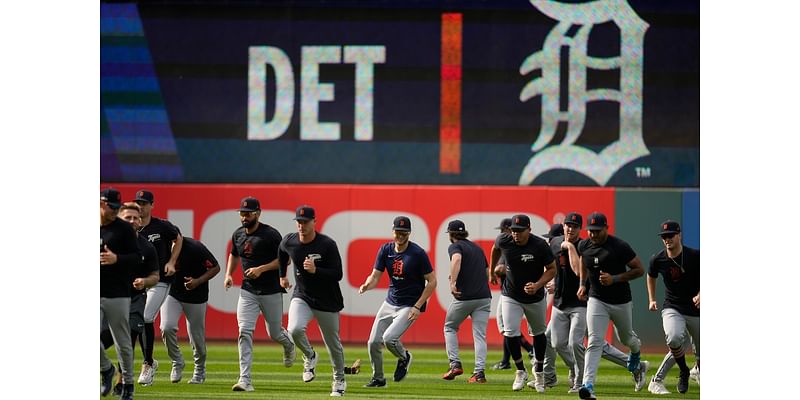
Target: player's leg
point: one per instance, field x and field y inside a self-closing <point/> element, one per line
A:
<point x="170" y="313"/>
<point x="693" y="326"/>
<point x="676" y="332"/>
<point x="512" y="314"/>
<point x="577" y="333"/>
<point x="622" y="315"/>
<point x="549" y="368"/>
<point x="196" y="325"/>
<point x="391" y="339"/>
<point x="117" y="313"/>
<point x="615" y="355"/>
<point x="457" y="312"/>
<point x="299" y="315"/>
<point x="596" y="323"/>
<point x="155" y="299"/>
<point x="246" y="315"/>
<point x="329" y="328"/>
<point x="504" y="363"/>
<point x="272" y="307"/>
<point x="480" y="319"/>
<point x="536" y="314"/>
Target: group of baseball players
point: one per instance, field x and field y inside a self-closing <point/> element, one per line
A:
<point x="147" y="266"/>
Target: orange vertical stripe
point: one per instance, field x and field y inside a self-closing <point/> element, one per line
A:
<point x="450" y="107"/>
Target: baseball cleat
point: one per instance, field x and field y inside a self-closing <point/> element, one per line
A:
<point x="501" y="365"/>
<point x="197" y="380"/>
<point x="148" y="373"/>
<point x="454" y="371"/>
<point x="694" y="373"/>
<point x="520" y="376"/>
<point x="587" y="392"/>
<point x="338" y="388"/>
<point x="374" y="383"/>
<point x="176" y="374"/>
<point x="127" y="392"/>
<point x="243" y="387"/>
<point x="308" y="368"/>
<point x="657" y="387"/>
<point x="108" y="378"/>
<point x="403" y="366"/>
<point x="478" y="377"/>
<point x="640" y="376"/>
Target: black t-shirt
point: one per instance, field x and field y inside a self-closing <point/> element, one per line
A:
<point x="148" y="264"/>
<point x="524" y="264"/>
<point x="611" y="257"/>
<point x="472" y="281"/>
<point x="115" y="279"/>
<point x="258" y="248"/>
<point x="567" y="283"/>
<point x="681" y="279"/>
<point x="195" y="259"/>
<point x="319" y="290"/>
<point x="161" y="233"/>
<point x="407" y="271"/>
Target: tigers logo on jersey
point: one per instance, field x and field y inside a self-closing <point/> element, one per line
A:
<point x="247" y="251"/>
<point x="397" y="268"/>
<point x="675" y="273"/>
<point x="526" y="257"/>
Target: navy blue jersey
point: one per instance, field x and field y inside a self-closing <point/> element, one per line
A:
<point x="567" y="283"/>
<point x="472" y="281"/>
<point x="406" y="273"/>
<point x="161" y="233"/>
<point x="523" y="264"/>
<point x="148" y="264"/>
<point x="611" y="257"/>
<point x="255" y="249"/>
<point x="195" y="259"/>
<point x="319" y="290"/>
<point x="681" y="279"/>
<point x="115" y="279"/>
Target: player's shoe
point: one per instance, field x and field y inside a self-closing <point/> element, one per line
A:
<point x="454" y="371"/>
<point x="478" y="377"/>
<point x="571" y="378"/>
<point x="576" y="388"/>
<point x="243" y="386"/>
<point x="694" y="373"/>
<point x="403" y="365"/>
<point x="633" y="361"/>
<point x="587" y="392"/>
<point x="308" y="368"/>
<point x="127" y="392"/>
<point x="501" y="365"/>
<point x="197" y="380"/>
<point x="176" y="374"/>
<point x="289" y="355"/>
<point x="375" y="383"/>
<point x="148" y="373"/>
<point x="640" y="375"/>
<point x="117" y="389"/>
<point x="520" y="376"/>
<point x="338" y="388"/>
<point x="657" y="387"/>
<point x="108" y="380"/>
<point x="683" y="382"/>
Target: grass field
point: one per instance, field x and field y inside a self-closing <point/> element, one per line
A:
<point x="274" y="381"/>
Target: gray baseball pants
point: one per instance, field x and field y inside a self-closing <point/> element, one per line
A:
<point x="247" y="310"/>
<point x="195" y="325"/>
<point x="598" y="314"/>
<point x="300" y="313"/>
<point x="669" y="360"/>
<point x="535" y="313"/>
<point x="155" y="299"/>
<point x="390" y="324"/>
<point x="116" y="311"/>
<point x="478" y="310"/>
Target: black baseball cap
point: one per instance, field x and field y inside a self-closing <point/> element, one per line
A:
<point x="401" y="223"/>
<point x="555" y="230"/>
<point x="520" y="221"/>
<point x="304" y="213"/>
<point x="145" y="195"/>
<point x="456" y="225"/>
<point x="670" y="226"/>
<point x="112" y="197"/>
<point x="597" y="221"/>
<point x="505" y="223"/>
<point x="574" y="218"/>
<point x="250" y="204"/>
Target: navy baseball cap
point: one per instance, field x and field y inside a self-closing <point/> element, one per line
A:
<point x="505" y="223"/>
<point x="555" y="230"/>
<point x="112" y="197"/>
<point x="670" y="226"/>
<point x="574" y="218"/>
<point x="401" y="223"/>
<point x="145" y="195"/>
<point x="304" y="213"/>
<point x="520" y="221"/>
<point x="456" y="225"/>
<point x="597" y="221"/>
<point x="250" y="204"/>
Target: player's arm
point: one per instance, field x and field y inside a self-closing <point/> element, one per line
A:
<point x="255" y="272"/>
<point x="635" y="270"/>
<point x="192" y="283"/>
<point x="371" y="282"/>
<point x="177" y="245"/>
<point x="574" y="258"/>
<point x="455" y="269"/>
<point x="230" y="268"/>
<point x="495" y="257"/>
<point x="651" y="293"/>
<point x="583" y="279"/>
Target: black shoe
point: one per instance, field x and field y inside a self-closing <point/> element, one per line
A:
<point x="374" y="383"/>
<point x="402" y="367"/>
<point x="117" y="390"/>
<point x="683" y="381"/>
<point x="108" y="378"/>
<point x="127" y="392"/>
<point x="501" y="365"/>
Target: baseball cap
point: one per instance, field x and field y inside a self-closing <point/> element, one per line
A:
<point x="504" y="224"/>
<point x="670" y="226"/>
<point x="401" y="223"/>
<point x="304" y="213"/>
<point x="574" y="218"/>
<point x="456" y="225"/>
<point x="520" y="221"/>
<point x="555" y="230"/>
<point x="144" y="195"/>
<point x="596" y="221"/>
<point x="250" y="204"/>
<point x="112" y="197"/>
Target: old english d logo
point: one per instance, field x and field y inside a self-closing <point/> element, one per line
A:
<point x="598" y="166"/>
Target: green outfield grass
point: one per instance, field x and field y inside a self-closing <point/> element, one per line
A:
<point x="274" y="381"/>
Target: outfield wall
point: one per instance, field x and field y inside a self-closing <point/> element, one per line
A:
<point x="359" y="218"/>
